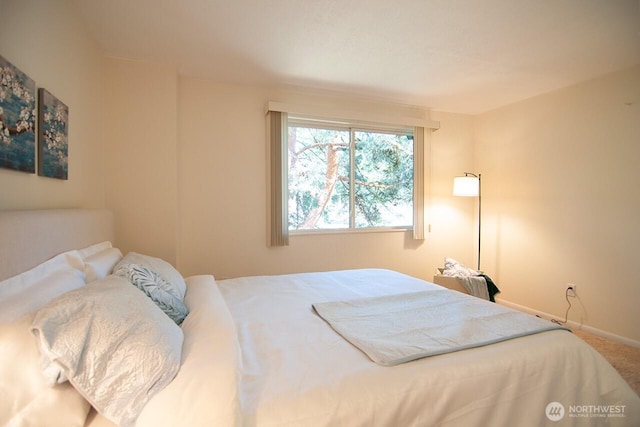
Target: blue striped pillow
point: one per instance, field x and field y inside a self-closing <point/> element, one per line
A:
<point x="157" y="288"/>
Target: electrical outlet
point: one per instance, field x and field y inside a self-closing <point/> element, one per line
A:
<point x="572" y="290"/>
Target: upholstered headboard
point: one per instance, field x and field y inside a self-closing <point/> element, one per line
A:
<point x="28" y="238"/>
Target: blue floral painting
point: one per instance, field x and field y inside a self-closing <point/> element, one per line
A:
<point x="17" y="119"/>
<point x="53" y="131"/>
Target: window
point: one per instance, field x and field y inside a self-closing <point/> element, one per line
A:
<point x="325" y="174"/>
<point x="346" y="177"/>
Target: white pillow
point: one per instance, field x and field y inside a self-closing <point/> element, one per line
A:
<point x="94" y="249"/>
<point x="160" y="266"/>
<point x="34" y="288"/>
<point x="457" y="269"/>
<point x="25" y="398"/>
<point x="100" y="264"/>
<point x="118" y="350"/>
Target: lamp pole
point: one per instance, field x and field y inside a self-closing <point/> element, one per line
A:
<point x="479" y="215"/>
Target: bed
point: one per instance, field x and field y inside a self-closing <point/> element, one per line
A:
<point x="252" y="351"/>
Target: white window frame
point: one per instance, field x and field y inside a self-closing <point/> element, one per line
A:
<point x="277" y="166"/>
<point x="352" y="128"/>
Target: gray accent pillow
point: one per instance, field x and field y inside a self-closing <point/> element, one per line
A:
<point x="160" y="266"/>
<point x="113" y="344"/>
<point x="166" y="296"/>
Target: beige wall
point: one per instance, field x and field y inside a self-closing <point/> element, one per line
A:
<point x="47" y="42"/>
<point x="199" y="200"/>
<point x="141" y="140"/>
<point x="222" y="198"/>
<point x="561" y="202"/>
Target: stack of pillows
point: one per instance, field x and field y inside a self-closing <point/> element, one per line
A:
<point x="88" y="328"/>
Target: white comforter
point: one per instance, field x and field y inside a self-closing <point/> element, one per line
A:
<point x="296" y="371"/>
<point x="287" y="367"/>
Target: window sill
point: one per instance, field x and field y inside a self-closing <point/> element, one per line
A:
<point x="293" y="233"/>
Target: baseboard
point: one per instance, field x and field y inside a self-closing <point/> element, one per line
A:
<point x="571" y="324"/>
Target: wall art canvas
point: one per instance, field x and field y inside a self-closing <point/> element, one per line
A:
<point x="17" y="119"/>
<point x="53" y="131"/>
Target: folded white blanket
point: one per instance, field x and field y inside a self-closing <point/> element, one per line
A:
<point x="399" y="328"/>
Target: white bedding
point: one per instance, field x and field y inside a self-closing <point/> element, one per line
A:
<point x="297" y="371"/>
<point x="204" y="392"/>
<point x="287" y="367"/>
<point x="255" y="354"/>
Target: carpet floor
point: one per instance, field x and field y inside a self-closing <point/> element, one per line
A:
<point x="624" y="358"/>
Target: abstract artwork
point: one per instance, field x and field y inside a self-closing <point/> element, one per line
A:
<point x="17" y="119"/>
<point x="53" y="131"/>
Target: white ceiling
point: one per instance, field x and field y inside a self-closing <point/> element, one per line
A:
<point x="465" y="56"/>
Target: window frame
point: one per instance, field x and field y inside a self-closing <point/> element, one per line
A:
<point x="277" y="231"/>
<point x="352" y="127"/>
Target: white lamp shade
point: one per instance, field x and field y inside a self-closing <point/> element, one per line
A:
<point x="466" y="186"/>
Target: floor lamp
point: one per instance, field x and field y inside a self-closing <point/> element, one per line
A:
<point x="469" y="185"/>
